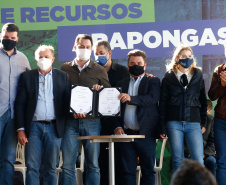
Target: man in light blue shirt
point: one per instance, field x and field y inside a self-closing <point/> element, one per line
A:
<point x="139" y="116"/>
<point x="130" y="118"/>
<point x="12" y="64"/>
<point x="41" y="105"/>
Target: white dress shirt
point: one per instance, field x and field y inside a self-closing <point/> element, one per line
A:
<point x="179" y="74"/>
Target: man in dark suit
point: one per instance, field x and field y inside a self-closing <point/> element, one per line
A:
<point x="41" y="105"/>
<point x="116" y="72"/>
<point x="139" y="116"/>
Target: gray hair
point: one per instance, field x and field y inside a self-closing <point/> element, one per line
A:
<point x="105" y="43"/>
<point x="43" y="48"/>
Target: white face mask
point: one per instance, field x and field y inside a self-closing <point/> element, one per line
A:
<point x="83" y="54"/>
<point x="44" y="63"/>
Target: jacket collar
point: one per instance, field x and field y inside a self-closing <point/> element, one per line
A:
<point x="171" y="76"/>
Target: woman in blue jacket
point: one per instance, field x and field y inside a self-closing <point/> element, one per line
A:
<point x="183" y="106"/>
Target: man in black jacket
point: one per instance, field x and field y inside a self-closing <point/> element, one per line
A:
<point x="139" y="116"/>
<point x="41" y="105"/>
<point x="116" y="72"/>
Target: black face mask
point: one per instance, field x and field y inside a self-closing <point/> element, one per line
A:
<point x="8" y="44"/>
<point x="136" y="70"/>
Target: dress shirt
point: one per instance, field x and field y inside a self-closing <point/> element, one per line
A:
<point x="179" y="74"/>
<point x="74" y="62"/>
<point x="45" y="103"/>
<point x="10" y="69"/>
<point x="130" y="118"/>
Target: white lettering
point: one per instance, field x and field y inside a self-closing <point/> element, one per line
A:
<point x="222" y="33"/>
<point x="99" y="36"/>
<point x="131" y="41"/>
<point x="117" y="41"/>
<point x="158" y="39"/>
<point x="168" y="37"/>
<point x="193" y="39"/>
<point x="208" y="37"/>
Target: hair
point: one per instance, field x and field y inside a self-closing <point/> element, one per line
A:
<point x="137" y="52"/>
<point x="43" y="48"/>
<point x="10" y="27"/>
<point x="192" y="173"/>
<point x="83" y="36"/>
<point x="209" y="105"/>
<point x="104" y="43"/>
<point x="173" y="64"/>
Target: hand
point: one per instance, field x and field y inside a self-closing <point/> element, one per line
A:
<point x="79" y="115"/>
<point x="163" y="136"/>
<point x="223" y="78"/>
<point x="97" y="87"/>
<point x="124" y="97"/>
<point x="119" y="131"/>
<point x="203" y="129"/>
<point x="22" y="138"/>
<point x="150" y="75"/>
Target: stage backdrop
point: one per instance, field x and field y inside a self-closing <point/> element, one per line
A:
<point x="155" y="26"/>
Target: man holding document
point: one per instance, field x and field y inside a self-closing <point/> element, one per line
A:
<point x="82" y="71"/>
<point x="139" y="116"/>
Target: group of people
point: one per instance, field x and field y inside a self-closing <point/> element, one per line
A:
<point x="34" y="110"/>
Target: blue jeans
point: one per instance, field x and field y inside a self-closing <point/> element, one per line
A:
<point x="8" y="140"/>
<point x="42" y="137"/>
<point x="190" y="132"/>
<point x="145" y="149"/>
<point x="73" y="129"/>
<point x="220" y="140"/>
<point x="210" y="164"/>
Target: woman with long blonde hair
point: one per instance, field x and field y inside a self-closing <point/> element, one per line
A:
<point x="183" y="106"/>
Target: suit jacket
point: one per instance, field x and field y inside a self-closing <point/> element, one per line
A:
<point x="147" y="105"/>
<point x="27" y="96"/>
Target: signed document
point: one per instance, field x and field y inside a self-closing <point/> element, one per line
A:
<point x="109" y="104"/>
<point x="81" y="100"/>
<point x="90" y="102"/>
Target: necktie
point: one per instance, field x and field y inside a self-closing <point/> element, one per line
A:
<point x="184" y="80"/>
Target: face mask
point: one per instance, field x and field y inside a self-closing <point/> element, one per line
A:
<point x="44" y="63"/>
<point x="83" y="54"/>
<point x="136" y="70"/>
<point x="102" y="60"/>
<point x="8" y="44"/>
<point x="185" y="63"/>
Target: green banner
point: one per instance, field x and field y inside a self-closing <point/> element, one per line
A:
<point x="48" y="14"/>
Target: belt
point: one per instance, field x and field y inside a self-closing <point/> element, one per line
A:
<point x="46" y="122"/>
<point x="132" y="132"/>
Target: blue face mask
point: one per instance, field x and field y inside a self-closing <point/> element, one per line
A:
<point x="102" y="60"/>
<point x="185" y="63"/>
